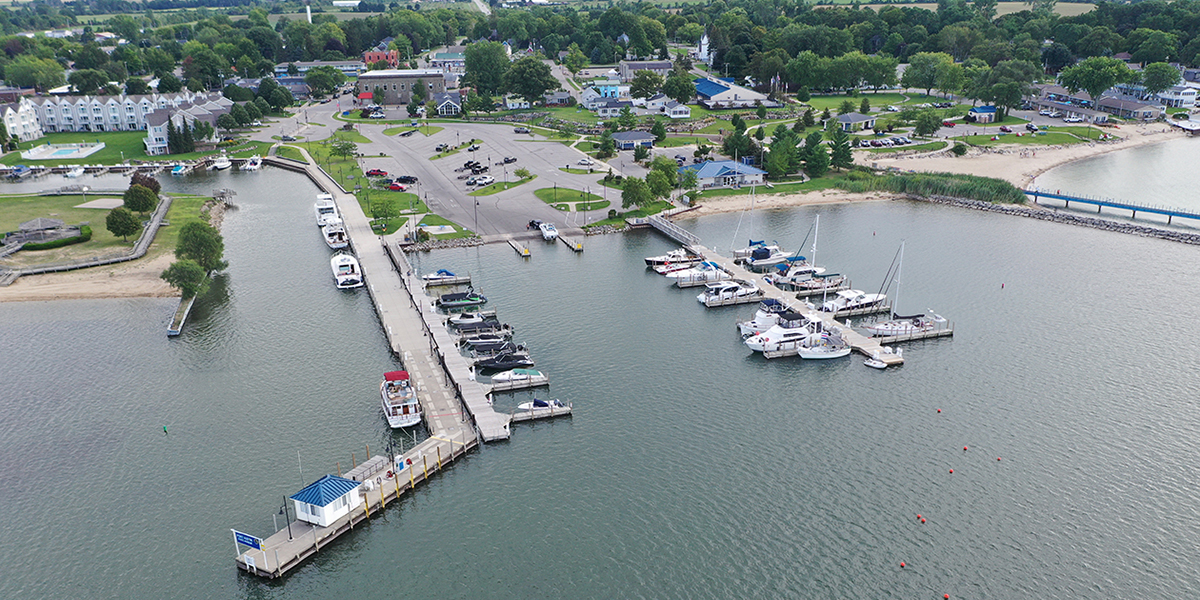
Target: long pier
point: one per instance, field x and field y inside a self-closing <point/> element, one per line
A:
<point x="1101" y="203"/>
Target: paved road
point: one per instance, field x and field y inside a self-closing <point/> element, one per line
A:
<point x="483" y="7"/>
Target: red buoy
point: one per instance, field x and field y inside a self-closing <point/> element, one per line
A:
<point x="922" y="520"/>
<point x="997" y="458"/>
<point x="952" y="471"/>
<point x="946" y="596"/>
<point x="901" y="565"/>
<point x="918" y="516"/>
<point x="939" y="410"/>
<point x="964" y="448"/>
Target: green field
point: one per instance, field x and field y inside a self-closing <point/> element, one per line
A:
<point x="434" y="220"/>
<point x="565" y="195"/>
<point x="289" y="152"/>
<point x="1049" y="139"/>
<point x="499" y="186"/>
<point x="930" y="147"/>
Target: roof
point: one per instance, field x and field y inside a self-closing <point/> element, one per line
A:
<point x="386" y="73"/>
<point x="632" y="136"/>
<point x="41" y="223"/>
<point x="854" y="118"/>
<point x="325" y="490"/>
<point x="617" y="104"/>
<point x="1127" y="104"/>
<point x="717" y="168"/>
<point x="709" y="88"/>
<point x="982" y="109"/>
<point x="647" y="64"/>
<point x="672" y="105"/>
<point x="443" y="97"/>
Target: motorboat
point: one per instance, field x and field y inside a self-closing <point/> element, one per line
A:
<point x="745" y="253"/>
<point x="663" y="269"/>
<point x="875" y="363"/>
<point x="903" y="324"/>
<point x="179" y="170"/>
<point x="538" y="404"/>
<point x="325" y="208"/>
<point x="400" y="404"/>
<point x="852" y="300"/>
<point x="790" y="273"/>
<point x="475" y="330"/>
<point x="346" y="272"/>
<point x="677" y="256"/>
<point x="791" y="330"/>
<point x="467" y="318"/>
<point x="819" y="282"/>
<point x="504" y="362"/>
<point x="221" y="163"/>
<point x="461" y="299"/>
<point x="335" y="234"/>
<point x="733" y="289"/>
<point x="767" y="257"/>
<point x="704" y="272"/>
<point x="521" y="376"/>
<point x="506" y="347"/>
<point x="484" y="339"/>
<point x="826" y="346"/>
<point x="549" y="232"/>
<point x="73" y="173"/>
<point x="440" y="275"/>
<point x="766" y="317"/>
<point x="253" y="163"/>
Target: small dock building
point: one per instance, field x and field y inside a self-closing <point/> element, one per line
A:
<point x="326" y="500"/>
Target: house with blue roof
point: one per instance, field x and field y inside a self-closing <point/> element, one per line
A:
<point x="982" y="114"/>
<point x="326" y="500"/>
<point x="725" y="173"/>
<point x="717" y="93"/>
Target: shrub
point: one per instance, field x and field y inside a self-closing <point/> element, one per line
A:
<point x="85" y="234"/>
<point x="612" y="213"/>
<point x="959" y="149"/>
<point x="953" y="185"/>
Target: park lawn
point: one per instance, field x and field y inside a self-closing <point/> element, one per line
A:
<point x="584" y="146"/>
<point x="386" y="226"/>
<point x="575" y="171"/>
<point x="619" y="220"/>
<point x="1028" y="140"/>
<point x="435" y="220"/>
<point x="614" y="183"/>
<point x="931" y="146"/>
<point x="185" y="208"/>
<point x="562" y="194"/>
<point x="115" y="142"/>
<point x="289" y="152"/>
<point x="1087" y="133"/>
<point x="589" y="206"/>
<point x="250" y="149"/>
<point x="675" y="142"/>
<point x="499" y="186"/>
<point x="820" y="183"/>
<point x="406" y="202"/>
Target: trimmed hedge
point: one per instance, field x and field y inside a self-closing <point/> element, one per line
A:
<point x="85" y="234"/>
<point x="953" y="185"/>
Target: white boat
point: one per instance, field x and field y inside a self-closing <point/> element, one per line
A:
<point x="704" y="272"/>
<point x="767" y="257"/>
<point x="468" y="318"/>
<point x="346" y="272"/>
<point x="791" y="330"/>
<point x="728" y="290"/>
<point x="824" y="348"/>
<point x="541" y="405"/>
<point x="663" y="269"/>
<point x="526" y="376"/>
<point x="335" y="234"/>
<point x="745" y="253"/>
<point x="325" y="208"/>
<point x="851" y="300"/>
<point x="253" y="163"/>
<point x="549" y="233"/>
<point x="221" y="163"/>
<point x="400" y="404"/>
<point x="440" y="275"/>
<point x="674" y="257"/>
<point x="818" y="282"/>
<point x="73" y="173"/>
<point x="875" y="363"/>
<point x="766" y="317"/>
<point x="903" y="324"/>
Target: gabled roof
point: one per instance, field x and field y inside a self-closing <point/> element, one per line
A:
<point x="442" y="98"/>
<point x="632" y="136"/>
<point x="672" y="105"/>
<point x="709" y="88"/>
<point x="325" y="490"/>
<point x="617" y="104"/>
<point x="41" y="223"/>
<point x="982" y="109"/>
<point x="854" y="118"/>
<point x="718" y="168"/>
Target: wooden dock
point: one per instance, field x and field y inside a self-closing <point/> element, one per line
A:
<point x="801" y="294"/>
<point x="572" y="244"/>
<point x="947" y="331"/>
<point x="867" y="310"/>
<point x="521" y="250"/>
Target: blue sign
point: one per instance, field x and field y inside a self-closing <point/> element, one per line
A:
<point x="246" y="539"/>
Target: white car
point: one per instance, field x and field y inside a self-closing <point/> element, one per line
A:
<point x="485" y="180"/>
<point x="893" y="109"/>
<point x="586" y="161"/>
<point x="1073" y="120"/>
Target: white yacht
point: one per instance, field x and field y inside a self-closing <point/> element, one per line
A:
<point x="346" y="272"/>
<point x="400" y="404"/>
<point x="335" y="234"/>
<point x="723" y="291"/>
<point x="73" y="173"/>
<point x="549" y="233"/>
<point x="440" y="275"/>
<point x="766" y="257"/>
<point x="791" y="330"/>
<point x="253" y="163"/>
<point x="529" y="377"/>
<point x="674" y="257"/>
<point x="325" y="208"/>
<point x="468" y="318"/>
<point x="704" y="272"/>
<point x="766" y="317"/>
<point x="851" y="300"/>
<point x="221" y="163"/>
<point x="744" y="253"/>
<point x="541" y="405"/>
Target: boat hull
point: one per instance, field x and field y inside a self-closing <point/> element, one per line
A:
<point x="814" y="354"/>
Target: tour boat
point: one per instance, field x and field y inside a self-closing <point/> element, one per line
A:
<point x="791" y="330"/>
<point x="504" y="362"/>
<point x="440" y="275"/>
<point x="851" y="300"/>
<point x="221" y="163"/>
<point x="540" y="405"/>
<point x="674" y="257"/>
<point x="704" y="272"/>
<point x="461" y="299"/>
<point x="400" y="404"/>
<point x="346" y="271"/>
<point x="253" y="163"/>
<point x="903" y="324"/>
<point x="73" y="173"/>
<point x="549" y="233"/>
<point x="766" y="317"/>
<point x="179" y="170"/>
<point x="325" y="208"/>
<point x="335" y="234"/>
<point x="728" y="290"/>
<point x="523" y="376"/>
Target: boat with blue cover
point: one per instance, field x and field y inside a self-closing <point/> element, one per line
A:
<point x="440" y="275"/>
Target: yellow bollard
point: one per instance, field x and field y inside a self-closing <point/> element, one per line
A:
<point x="439" y="451"/>
<point x="412" y="483"/>
<point x="425" y="460"/>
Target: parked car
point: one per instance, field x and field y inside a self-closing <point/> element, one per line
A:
<point x="947" y="123"/>
<point x="1045" y="112"/>
<point x="472" y="180"/>
<point x="520" y="130"/>
<point x="256" y="124"/>
<point x="408" y="133"/>
<point x="396" y="187"/>
<point x="441" y="147"/>
<point x="287" y="138"/>
<point x="586" y="161"/>
<point x="1006" y="129"/>
<point x="406" y="179"/>
<point x="376" y="173"/>
<point x="1031" y="127"/>
<point x="891" y="108"/>
<point x="376" y="115"/>
<point x="1073" y="119"/>
<point x="1056" y="115"/>
<point x="473" y="148"/>
<point x="680" y="157"/>
<point x="485" y="180"/>
<point x="509" y="160"/>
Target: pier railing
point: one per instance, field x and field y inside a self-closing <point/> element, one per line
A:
<point x="674" y="231"/>
<point x="1167" y="211"/>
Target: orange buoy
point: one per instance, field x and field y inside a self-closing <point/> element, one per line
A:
<point x="922" y="520"/>
<point x="901" y="565"/>
<point x="946" y="596"/>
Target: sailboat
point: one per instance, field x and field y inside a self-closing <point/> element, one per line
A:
<point x="795" y="268"/>
<point x="903" y="324"/>
<point x="742" y="255"/>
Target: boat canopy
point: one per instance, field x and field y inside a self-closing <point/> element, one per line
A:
<point x="758" y="243"/>
<point x="796" y="258"/>
<point x="907" y="317"/>
<point x="825" y="275"/>
<point x="445" y="273"/>
<point x="396" y="376"/>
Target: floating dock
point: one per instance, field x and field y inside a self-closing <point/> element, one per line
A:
<point x="572" y="244"/>
<point x="866" y="310"/>
<point x="456" y="280"/>
<point x="541" y="413"/>
<point x="521" y="250"/>
<point x="947" y="331"/>
<point x="509" y="386"/>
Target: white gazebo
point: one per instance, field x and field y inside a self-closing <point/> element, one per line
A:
<point x="326" y="500"/>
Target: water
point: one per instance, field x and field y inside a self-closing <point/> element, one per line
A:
<point x="691" y="468"/>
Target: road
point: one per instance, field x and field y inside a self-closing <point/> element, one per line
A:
<point x="483" y="8"/>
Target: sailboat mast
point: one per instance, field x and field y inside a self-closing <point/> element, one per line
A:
<point x="899" y="266"/>
<point x="816" y="230"/>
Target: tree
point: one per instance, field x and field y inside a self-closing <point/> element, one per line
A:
<point x="486" y="63"/>
<point x="575" y="60"/>
<point x="607" y="146"/>
<point x="798" y="126"/>
<point x="864" y="107"/>
<point x="627" y="119"/>
<point x="679" y="87"/>
<point x="204" y="67"/>
<point x="202" y="243"/>
<point x="172" y="137"/>
<point x="809" y="119"/>
<point x="140" y="199"/>
<point x="1095" y="75"/>
<point x="281" y="97"/>
<point x="121" y="221"/>
<point x="666" y="166"/>
<point x="840" y="157"/>
<point x="760" y="134"/>
<point x="135" y="86"/>
<point x="146" y="181"/>
<point x="187" y="277"/>
<point x="846" y="107"/>
<point x="27" y="70"/>
<point x="169" y="84"/>
<point x="413" y="109"/>
<point x="479" y="103"/>
<point x="688" y="179"/>
<point x="522" y="173"/>
<point x="252" y="111"/>
<point x="344" y="148"/>
<point x="1056" y="56"/>
<point x="1159" y="77"/>
<point x="659" y="130"/>
<point x="635" y="192"/>
<point x="926" y="123"/>
<point x="924" y="68"/>
<point x="659" y="184"/>
<point x="816" y="162"/>
<point x="324" y="80"/>
<point x="87" y="81"/>
<point x="420" y="91"/>
<point x="240" y="115"/>
<point x="384" y="208"/>
<point x="645" y="84"/>
<point x="529" y="78"/>
<point x="227" y="122"/>
<point x="640" y="153"/>
<point x="761" y="112"/>
<point x="778" y="161"/>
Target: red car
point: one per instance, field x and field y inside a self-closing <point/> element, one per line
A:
<point x="1006" y="129"/>
<point x="376" y="173"/>
<point x="396" y="187"/>
<point x="947" y="123"/>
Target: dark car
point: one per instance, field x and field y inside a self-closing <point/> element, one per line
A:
<point x="473" y="148"/>
<point x="287" y="138"/>
<point x="510" y="159"/>
<point x="1031" y="127"/>
<point x="408" y="133"/>
<point x="376" y="173"/>
<point x="441" y="147"/>
<point x="406" y="179"/>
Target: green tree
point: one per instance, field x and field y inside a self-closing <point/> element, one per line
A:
<point x="659" y="130"/>
<point x="344" y="148"/>
<point x="479" y="103"/>
<point x="679" y="87"/>
<point x="281" y="97"/>
<point x="778" y="161"/>
<point x="169" y="84"/>
<point x="645" y="84"/>
<point x="227" y="122"/>
<point x="204" y="67"/>
<point x="240" y="115"/>
<point x="816" y="161"/>
<point x="627" y="119"/>
<point x="1159" y="77"/>
<point x="607" y="146"/>
<point x="486" y="64"/>
<point x="659" y="184"/>
<point x="202" y="243"/>
<point x="136" y="86"/>
<point x="120" y="221"/>
<point x="926" y="123"/>
<point x="688" y="179"/>
<point x="529" y="78"/>
<point x="760" y="134"/>
<point x="761" y="112"/>
<point x="384" y="208"/>
<point x="252" y="111"/>
<point x="635" y="192"/>
<point x="87" y="81"/>
<point x="140" y="199"/>
<point x="146" y="181"/>
<point x="840" y="156"/>
<point x="575" y="60"/>
<point x="413" y="109"/>
<point x="172" y="137"/>
<point x="640" y="153"/>
<point x="522" y="173"/>
<point x="809" y="119"/>
<point x="924" y="68"/>
<point x="864" y="107"/>
<point x="420" y="91"/>
<point x="187" y="277"/>
<point x="324" y="80"/>
<point x="27" y="70"/>
<point x="1095" y="75"/>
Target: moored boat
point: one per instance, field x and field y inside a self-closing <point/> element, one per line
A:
<point x="179" y="170"/>
<point x="903" y="324"/>
<point x="506" y="361"/>
<point x="767" y="257"/>
<point x="520" y="376"/>
<point x="852" y="300"/>
<point x="325" y="209"/>
<point x="701" y="273"/>
<point x="724" y="291"/>
<point x="253" y="163"/>
<point x="745" y="253"/>
<point x="461" y="299"/>
<point x="73" y="173"/>
<point x="791" y="330"/>
<point x="470" y="318"/>
<point x="221" y="163"/>
<point x="346" y="272"/>
<point x="538" y="404"/>
<point x="674" y="257"/>
<point x="335" y="234"/>
<point x="400" y="404"/>
<point x="440" y="275"/>
<point x="766" y="317"/>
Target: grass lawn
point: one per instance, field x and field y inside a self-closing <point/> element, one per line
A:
<point x="289" y="152"/>
<point x="562" y="194"/>
<point x="405" y="202"/>
<point x="930" y="146"/>
<point x="587" y="206"/>
<point x="675" y="142"/>
<point x="499" y="186"/>
<point x="613" y="183"/>
<point x="388" y="225"/>
<point x="575" y="171"/>
<point x="1087" y="133"/>
<point x="425" y="130"/>
<point x="433" y="220"/>
<point x="619" y="220"/>
<point x="250" y="149"/>
<point x="1028" y="140"/>
<point x="115" y="142"/>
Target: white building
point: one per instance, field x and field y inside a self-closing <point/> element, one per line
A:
<point x="676" y="110"/>
<point x="447" y="104"/>
<point x="613" y="108"/>
<point x="702" y="53"/>
<point x="350" y="68"/>
<point x="20" y="120"/>
<point x="725" y="173"/>
<point x="718" y="93"/>
<point x="184" y="114"/>
<point x="515" y="103"/>
<point x="107" y="113"/>
<point x="629" y="68"/>
<point x="326" y="500"/>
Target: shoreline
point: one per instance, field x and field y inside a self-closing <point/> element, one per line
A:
<point x="1014" y="163"/>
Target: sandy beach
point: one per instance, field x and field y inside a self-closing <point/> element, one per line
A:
<point x="134" y="279"/>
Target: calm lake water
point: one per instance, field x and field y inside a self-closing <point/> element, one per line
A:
<point x="692" y="467"/>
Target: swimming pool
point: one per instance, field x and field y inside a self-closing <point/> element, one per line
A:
<point x="65" y="151"/>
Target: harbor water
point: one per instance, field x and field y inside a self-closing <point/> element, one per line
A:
<point x="692" y="468"/>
